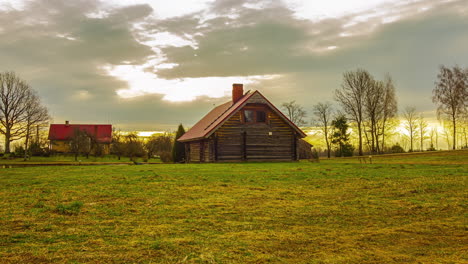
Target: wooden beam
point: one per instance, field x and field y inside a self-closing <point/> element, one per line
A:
<point x="294" y="147"/>
<point x="244" y="146"/>
<point x="202" y="151"/>
<point x="215" y="148"/>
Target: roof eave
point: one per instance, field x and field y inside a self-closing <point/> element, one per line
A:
<point x="190" y="139"/>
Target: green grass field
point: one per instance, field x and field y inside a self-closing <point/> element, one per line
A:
<point x="70" y="159"/>
<point x="401" y="209"/>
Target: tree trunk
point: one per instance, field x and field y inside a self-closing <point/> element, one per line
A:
<point x="26" y="143"/>
<point x="360" y="138"/>
<point x="383" y="138"/>
<point x="328" y="143"/>
<point x="7" y="142"/>
<point x="422" y="140"/>
<point x="411" y="140"/>
<point x="373" y="132"/>
<point x="454" y="133"/>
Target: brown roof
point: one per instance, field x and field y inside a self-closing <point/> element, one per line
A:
<point x="216" y="117"/>
<point x="213" y="119"/>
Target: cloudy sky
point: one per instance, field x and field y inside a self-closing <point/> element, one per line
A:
<point x="150" y="65"/>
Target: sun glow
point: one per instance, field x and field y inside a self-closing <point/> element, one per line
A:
<point x="141" y="82"/>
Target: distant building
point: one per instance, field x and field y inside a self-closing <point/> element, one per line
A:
<point x="248" y="128"/>
<point x="61" y="134"/>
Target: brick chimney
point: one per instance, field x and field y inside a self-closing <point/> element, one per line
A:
<point x="237" y="92"/>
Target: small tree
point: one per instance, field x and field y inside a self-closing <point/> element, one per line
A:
<point x="133" y="146"/>
<point x="80" y="143"/>
<point x="422" y="125"/>
<point x="340" y="137"/>
<point x="323" y="112"/>
<point x="118" y="144"/>
<point x="160" y="145"/>
<point x="295" y="112"/>
<point x="178" y="149"/>
<point x="411" y="124"/>
<point x="36" y="115"/>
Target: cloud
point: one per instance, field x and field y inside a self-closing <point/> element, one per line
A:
<point x="59" y="50"/>
<point x="94" y="61"/>
<point x="406" y="39"/>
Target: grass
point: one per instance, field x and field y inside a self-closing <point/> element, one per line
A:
<point x="432" y="157"/>
<point x="329" y="212"/>
<point x="70" y="159"/>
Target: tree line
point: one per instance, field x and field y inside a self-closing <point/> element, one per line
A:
<point x="165" y="146"/>
<point x="371" y="108"/>
<point x="366" y="112"/>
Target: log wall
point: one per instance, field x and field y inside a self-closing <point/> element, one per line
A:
<point x="194" y="151"/>
<point x="238" y="141"/>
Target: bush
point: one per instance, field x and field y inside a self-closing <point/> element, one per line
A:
<point x="19" y="152"/>
<point x="397" y="149"/>
<point x="431" y="148"/>
<point x="166" y="156"/>
<point x="348" y="151"/>
<point x="98" y="150"/>
<point x="35" y="149"/>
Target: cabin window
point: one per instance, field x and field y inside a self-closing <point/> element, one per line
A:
<point x="249" y="116"/>
<point x="254" y="116"/>
<point x="261" y="117"/>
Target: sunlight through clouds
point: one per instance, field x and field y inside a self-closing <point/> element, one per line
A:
<point x="141" y="83"/>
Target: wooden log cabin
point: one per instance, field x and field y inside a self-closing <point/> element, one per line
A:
<point x="248" y="128"/>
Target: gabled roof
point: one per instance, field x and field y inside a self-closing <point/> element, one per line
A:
<point x="102" y="133"/>
<point x="220" y="114"/>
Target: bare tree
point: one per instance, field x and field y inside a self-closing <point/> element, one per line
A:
<point x="36" y="115"/>
<point x="14" y="96"/>
<point x="433" y="135"/>
<point x="134" y="146"/>
<point x="118" y="144"/>
<point x="447" y="134"/>
<point x="464" y="130"/>
<point x="295" y="112"/>
<point x="160" y="145"/>
<point x="80" y="143"/>
<point x="323" y="115"/>
<point x="411" y="124"/>
<point x="351" y="96"/>
<point x="373" y="111"/>
<point x="451" y="95"/>
<point x="422" y="126"/>
<point x="390" y="107"/>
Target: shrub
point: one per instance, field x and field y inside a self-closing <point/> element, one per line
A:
<point x="166" y="156"/>
<point x="431" y="148"/>
<point x="397" y="149"/>
<point x="347" y="149"/>
<point x="35" y="149"/>
<point x="19" y="152"/>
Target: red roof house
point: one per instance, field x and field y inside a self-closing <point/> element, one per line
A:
<point x="61" y="134"/>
